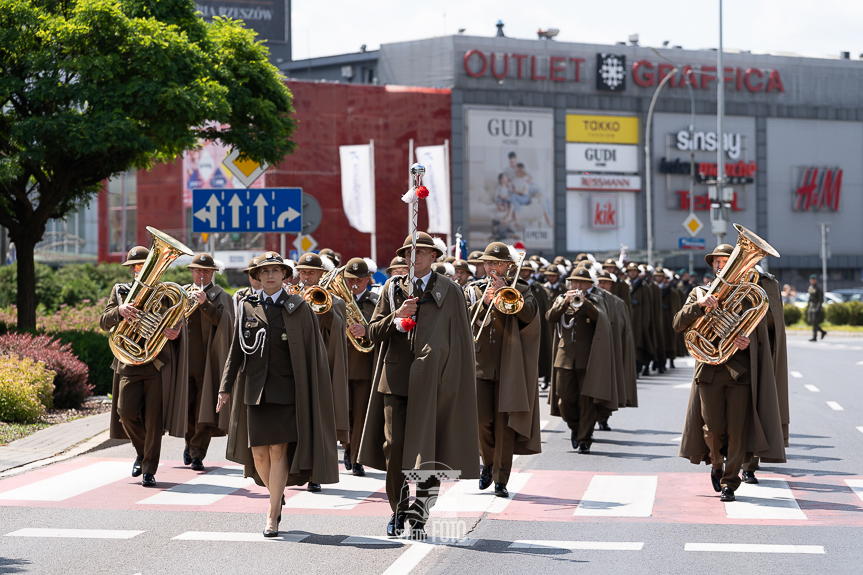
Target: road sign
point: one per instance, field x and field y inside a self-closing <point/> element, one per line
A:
<point x="692" y="225"/>
<point x="294" y="255"/>
<point x="691" y="243"/>
<point x="275" y="210"/>
<point x="245" y="170"/>
<point x="312" y="213"/>
<point x="305" y="244"/>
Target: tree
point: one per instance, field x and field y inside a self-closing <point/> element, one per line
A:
<point x="92" y="88"/>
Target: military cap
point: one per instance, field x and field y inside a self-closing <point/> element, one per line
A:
<point x="203" y="261"/>
<point x="357" y="268"/>
<point x="137" y="255"/>
<point x="423" y="241"/>
<point x="269" y="259"/>
<point x="310" y="261"/>
<point x="723" y="250"/>
<point x="496" y="252"/>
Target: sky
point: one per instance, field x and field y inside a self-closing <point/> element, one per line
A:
<point x="806" y="27"/>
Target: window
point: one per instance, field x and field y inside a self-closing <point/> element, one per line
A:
<point x="122" y="212"/>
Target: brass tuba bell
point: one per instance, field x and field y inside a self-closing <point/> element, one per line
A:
<point x="742" y="303"/>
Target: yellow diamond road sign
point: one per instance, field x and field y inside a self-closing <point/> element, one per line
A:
<point x="305" y="244"/>
<point x="245" y="170"/>
<point x="693" y="225"/>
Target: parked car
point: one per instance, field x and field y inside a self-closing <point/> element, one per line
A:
<point x="850" y="294"/>
<point x="829" y="298"/>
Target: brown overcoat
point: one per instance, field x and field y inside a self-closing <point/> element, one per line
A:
<point x="776" y="324"/>
<point x="173" y="366"/>
<point x="441" y="425"/>
<point x="629" y="398"/>
<point x="333" y="328"/>
<point x="765" y="438"/>
<point x="316" y="457"/>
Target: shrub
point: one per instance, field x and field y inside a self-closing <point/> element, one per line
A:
<point x="855" y="312"/>
<point x="183" y="276"/>
<point x="70" y="383"/>
<point x="46" y="286"/>
<point x="792" y="313"/>
<point x="75" y="284"/>
<point x="25" y="389"/>
<point x="837" y="313"/>
<point x="92" y="348"/>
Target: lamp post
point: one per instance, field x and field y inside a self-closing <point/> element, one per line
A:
<point x="648" y="165"/>
<point x="720" y="110"/>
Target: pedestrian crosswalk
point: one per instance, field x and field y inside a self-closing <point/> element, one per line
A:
<point x="536" y="495"/>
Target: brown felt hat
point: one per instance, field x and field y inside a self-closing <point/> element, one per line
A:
<point x="252" y="263"/>
<point x="551" y="270"/>
<point x="604" y="275"/>
<point x="580" y="273"/>
<point x="423" y="241"/>
<point x="398" y="262"/>
<point x="310" y="261"/>
<point x="461" y="265"/>
<point x="496" y="252"/>
<point x="439" y="267"/>
<point x="269" y="259"/>
<point x="473" y="258"/>
<point x="632" y="266"/>
<point x="357" y="268"/>
<point x="723" y="250"/>
<point x="137" y="255"/>
<point x="203" y="261"/>
<point x="334" y="257"/>
<point x="610" y="262"/>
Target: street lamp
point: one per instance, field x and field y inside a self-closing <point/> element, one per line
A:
<point x="648" y="166"/>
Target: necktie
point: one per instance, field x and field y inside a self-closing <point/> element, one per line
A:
<point x="418" y="289"/>
<point x="269" y="302"/>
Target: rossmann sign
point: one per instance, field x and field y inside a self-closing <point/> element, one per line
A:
<point x="644" y="73"/>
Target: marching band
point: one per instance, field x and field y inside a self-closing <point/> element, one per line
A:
<point x="313" y="353"/>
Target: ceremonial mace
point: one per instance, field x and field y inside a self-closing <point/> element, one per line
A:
<point x="412" y="198"/>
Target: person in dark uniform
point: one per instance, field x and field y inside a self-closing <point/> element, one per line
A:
<point x="398" y="267"/>
<point x="618" y="288"/>
<point x="473" y="259"/>
<point x="361" y="365"/>
<point x="209" y="327"/>
<point x="553" y="286"/>
<point x="640" y="297"/>
<point x="543" y="304"/>
<point x="254" y="285"/>
<point x="144" y="397"/>
<point x="507" y="343"/>
<point x="282" y="415"/>
<point x="423" y="401"/>
<point x="814" y="309"/>
<point x="463" y="273"/>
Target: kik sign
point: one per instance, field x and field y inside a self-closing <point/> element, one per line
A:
<point x="603" y="212"/>
<point x="277" y="210"/>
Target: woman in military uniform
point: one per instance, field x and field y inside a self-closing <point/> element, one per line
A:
<point x="283" y="420"/>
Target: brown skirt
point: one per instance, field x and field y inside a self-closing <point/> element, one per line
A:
<point x="271" y="423"/>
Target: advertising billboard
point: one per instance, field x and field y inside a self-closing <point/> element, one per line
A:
<point x="510" y="177"/>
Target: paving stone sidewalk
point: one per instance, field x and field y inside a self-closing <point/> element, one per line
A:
<point x="52" y="441"/>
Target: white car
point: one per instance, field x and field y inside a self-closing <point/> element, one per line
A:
<point x="829" y="298"/>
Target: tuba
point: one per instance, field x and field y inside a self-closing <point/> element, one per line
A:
<point x="334" y="282"/>
<point x="742" y="303"/>
<point x="139" y="341"/>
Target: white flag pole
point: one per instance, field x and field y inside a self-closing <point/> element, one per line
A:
<point x="410" y="163"/>
<point x="447" y="182"/>
<point x="374" y="238"/>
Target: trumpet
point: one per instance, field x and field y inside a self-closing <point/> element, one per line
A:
<point x="318" y="299"/>
<point x="506" y="300"/>
<point x="577" y="299"/>
<point x="192" y="298"/>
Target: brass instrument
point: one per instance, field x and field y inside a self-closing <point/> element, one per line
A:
<point x="506" y="300"/>
<point x="318" y="299"/>
<point x="334" y="282"/>
<point x="192" y="298"/>
<point x="577" y="300"/>
<point x="139" y="341"/>
<point x="711" y="337"/>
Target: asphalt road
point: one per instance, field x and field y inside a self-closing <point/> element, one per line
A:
<point x="631" y="506"/>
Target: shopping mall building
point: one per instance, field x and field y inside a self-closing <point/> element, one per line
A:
<point x="547" y="147"/>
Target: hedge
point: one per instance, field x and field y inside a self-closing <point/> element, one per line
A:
<point x="792" y="313"/>
<point x="848" y="313"/>
<point x="25" y="389"/>
<point x="92" y="348"/>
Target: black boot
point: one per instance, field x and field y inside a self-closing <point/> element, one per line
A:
<point x="671" y="362"/>
<point x="347" y="458"/>
<point x="573" y="439"/>
<point x="646" y="370"/>
<point x="485" y="473"/>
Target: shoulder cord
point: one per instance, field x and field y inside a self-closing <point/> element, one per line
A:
<point x="260" y="336"/>
<point x="563" y="324"/>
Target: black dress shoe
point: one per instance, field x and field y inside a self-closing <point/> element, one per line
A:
<point x="573" y="439"/>
<point x="149" y="480"/>
<point x="418" y="532"/>
<point x="715" y="477"/>
<point x="749" y="477"/>
<point x="396" y="526"/>
<point x="603" y="426"/>
<point x="197" y="464"/>
<point x="583" y="448"/>
<point x="671" y="364"/>
<point x="727" y="494"/>
<point x="500" y="490"/>
<point x="646" y="370"/>
<point x="485" y="473"/>
<point x="347" y="458"/>
<point x="814" y="339"/>
<point x="136" y="467"/>
<point x="187" y="459"/>
<point x="313" y="487"/>
<point x="359" y="470"/>
<point x="823" y="333"/>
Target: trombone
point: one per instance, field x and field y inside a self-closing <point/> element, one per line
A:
<point x="507" y="300"/>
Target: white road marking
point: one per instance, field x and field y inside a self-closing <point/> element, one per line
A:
<point x="72" y="483"/>
<point x="677" y="439"/>
<point x="466" y="497"/>
<point x="811" y="388"/>
<point x="204" y="489"/>
<point x="856" y="485"/>
<point x="859" y="363"/>
<point x="860" y="429"/>
<point x="769" y="499"/>
<point x="683" y="386"/>
<point x="384" y="540"/>
<point x="76" y="533"/>
<point x="349" y="492"/>
<point x="689" y="361"/>
<point x="409" y="559"/>
<point x="578" y="545"/>
<point x="753" y="548"/>
<point x="618" y="496"/>
<point x="796" y="374"/>
<point x="244" y="537"/>
<point x="835" y="406"/>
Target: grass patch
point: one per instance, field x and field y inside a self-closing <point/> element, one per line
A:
<point x="12" y="431"/>
<point x="827" y="326"/>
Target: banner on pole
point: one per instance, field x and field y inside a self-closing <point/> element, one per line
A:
<point x="436" y="179"/>
<point x="358" y="196"/>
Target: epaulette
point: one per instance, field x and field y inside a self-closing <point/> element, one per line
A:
<point x="374" y="297"/>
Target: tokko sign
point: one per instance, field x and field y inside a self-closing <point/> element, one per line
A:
<point x="582" y="157"/>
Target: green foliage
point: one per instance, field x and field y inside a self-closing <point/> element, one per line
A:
<point x="837" y="313"/>
<point x="792" y="313"/>
<point x="25" y="389"/>
<point x="46" y="286"/>
<point x="855" y="312"/>
<point x="183" y="276"/>
<point x="92" y="348"/>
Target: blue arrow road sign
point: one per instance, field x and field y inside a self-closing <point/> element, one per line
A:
<point x="691" y="243"/>
<point x="277" y="210"/>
